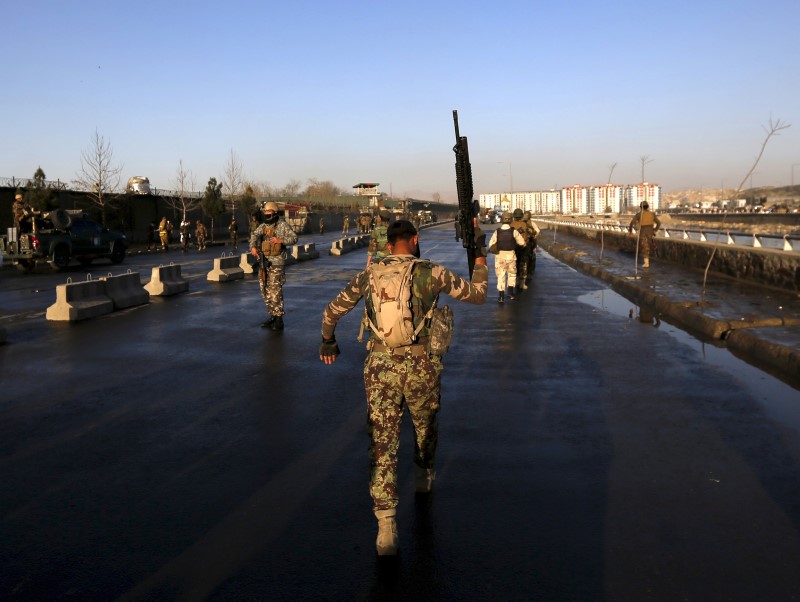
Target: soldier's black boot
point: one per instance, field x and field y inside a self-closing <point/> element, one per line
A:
<point x="277" y="324"/>
<point x="268" y="323"/>
<point x="511" y="293"/>
<point x="501" y="297"/>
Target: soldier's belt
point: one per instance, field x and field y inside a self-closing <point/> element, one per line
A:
<point x="418" y="349"/>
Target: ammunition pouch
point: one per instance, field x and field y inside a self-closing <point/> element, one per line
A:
<point x="270" y="249"/>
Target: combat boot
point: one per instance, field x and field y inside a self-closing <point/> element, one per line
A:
<point x="388" y="540"/>
<point x="512" y="293"/>
<point x="268" y="323"/>
<point x="277" y="323"/>
<point x="423" y="479"/>
<point x="501" y="297"/>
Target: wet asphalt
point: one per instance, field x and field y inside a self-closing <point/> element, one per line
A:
<point x="178" y="451"/>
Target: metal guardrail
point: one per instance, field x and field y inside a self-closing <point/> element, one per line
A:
<point x="743" y="239"/>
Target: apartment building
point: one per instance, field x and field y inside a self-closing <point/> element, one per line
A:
<point x="577" y="199"/>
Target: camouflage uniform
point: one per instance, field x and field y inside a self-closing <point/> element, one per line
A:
<point x="272" y="282"/>
<point x="234" y="230"/>
<point x="378" y="248"/>
<point x="505" y="264"/>
<point x="531" y="257"/>
<point x="523" y="227"/>
<point x="406" y="374"/>
<point x="346" y="225"/>
<point x="163" y="233"/>
<point x="200" y="233"/>
<point x="649" y="225"/>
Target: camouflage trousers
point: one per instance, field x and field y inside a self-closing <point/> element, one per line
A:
<point x="645" y="243"/>
<point x="393" y="382"/>
<point x="505" y="268"/>
<point x="522" y="265"/>
<point x="272" y="291"/>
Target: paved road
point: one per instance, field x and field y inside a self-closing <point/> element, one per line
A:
<point x="178" y="451"/>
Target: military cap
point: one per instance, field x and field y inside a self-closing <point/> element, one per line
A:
<point x="401" y="226"/>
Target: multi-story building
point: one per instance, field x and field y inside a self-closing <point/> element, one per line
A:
<point x="605" y="199"/>
<point x="577" y="199"/>
<point x="638" y="193"/>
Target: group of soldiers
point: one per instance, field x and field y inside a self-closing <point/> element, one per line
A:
<point x="164" y="231"/>
<point x="514" y="244"/>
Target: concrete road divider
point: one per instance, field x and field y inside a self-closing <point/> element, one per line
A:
<point x="342" y="246"/>
<point x="126" y="290"/>
<point x="166" y="280"/>
<point x="304" y="252"/>
<point x="79" y="301"/>
<point x="248" y="263"/>
<point x="226" y="269"/>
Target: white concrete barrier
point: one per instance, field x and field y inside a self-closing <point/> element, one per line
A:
<point x="126" y="290"/>
<point x="166" y="280"/>
<point x="304" y="252"/>
<point x="226" y="269"/>
<point x="342" y="246"/>
<point x="248" y="263"/>
<point x="79" y="301"/>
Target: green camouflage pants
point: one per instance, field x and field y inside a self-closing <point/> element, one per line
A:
<point x="272" y="291"/>
<point x="392" y="382"/>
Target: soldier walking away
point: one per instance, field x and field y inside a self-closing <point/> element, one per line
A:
<point x="321" y="226"/>
<point x="234" y="230"/>
<point x="648" y="226"/>
<point x="404" y="364"/>
<point x="522" y="226"/>
<point x="201" y="233"/>
<point x="268" y="243"/>
<point x="163" y="233"/>
<point x="378" y="240"/>
<point x="532" y="245"/>
<point x="185" y="235"/>
<point x="504" y="243"/>
<point x="346" y="225"/>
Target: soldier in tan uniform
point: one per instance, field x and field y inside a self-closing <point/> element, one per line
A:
<point x="648" y="224"/>
<point x="406" y="375"/>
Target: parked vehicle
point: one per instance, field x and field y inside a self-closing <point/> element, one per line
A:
<point x="60" y="236"/>
<point x="138" y="185"/>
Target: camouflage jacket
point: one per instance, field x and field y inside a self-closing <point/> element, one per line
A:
<point x="281" y="230"/>
<point x="428" y="280"/>
<point x="378" y="242"/>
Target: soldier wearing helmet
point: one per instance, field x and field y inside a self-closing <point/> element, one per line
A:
<point x="378" y="240"/>
<point x="531" y="256"/>
<point x="523" y="227"/>
<point x="504" y="243"/>
<point x="268" y="242"/>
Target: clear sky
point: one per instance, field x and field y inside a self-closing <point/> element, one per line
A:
<point x="364" y="91"/>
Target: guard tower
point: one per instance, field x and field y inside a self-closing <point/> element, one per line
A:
<point x="369" y="190"/>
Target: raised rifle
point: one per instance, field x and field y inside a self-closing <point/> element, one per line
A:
<point x="467" y="207"/>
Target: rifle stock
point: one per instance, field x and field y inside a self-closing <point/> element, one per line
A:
<point x="466" y="206"/>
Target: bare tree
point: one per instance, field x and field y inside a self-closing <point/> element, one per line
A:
<point x="436" y="197"/>
<point x="233" y="180"/>
<point x="773" y="129"/>
<point x="645" y="159"/>
<point x="611" y="169"/>
<point x="98" y="174"/>
<point x="292" y="189"/>
<point x="184" y="185"/>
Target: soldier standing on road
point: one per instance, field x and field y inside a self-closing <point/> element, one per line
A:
<point x="151" y="235"/>
<point x="408" y="375"/>
<point x="185" y="235"/>
<point x="534" y="242"/>
<point x="648" y="226"/>
<point x="163" y="233"/>
<point x="234" y="230"/>
<point x="321" y="226"/>
<point x="270" y="240"/>
<point x="522" y="226"/>
<point x="346" y="225"/>
<point x="378" y="241"/>
<point x="201" y="233"/>
<point x="504" y="243"/>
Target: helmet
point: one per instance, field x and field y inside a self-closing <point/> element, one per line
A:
<point x="517" y="213"/>
<point x="645" y="205"/>
<point x="506" y="217"/>
<point x="270" y="206"/>
<point x="386" y="216"/>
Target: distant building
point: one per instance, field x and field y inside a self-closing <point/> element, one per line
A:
<point x="638" y="193"/>
<point x="574" y="199"/>
<point x="605" y="199"/>
<point x="577" y="199"/>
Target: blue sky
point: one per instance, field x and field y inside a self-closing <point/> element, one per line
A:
<point x="364" y="91"/>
